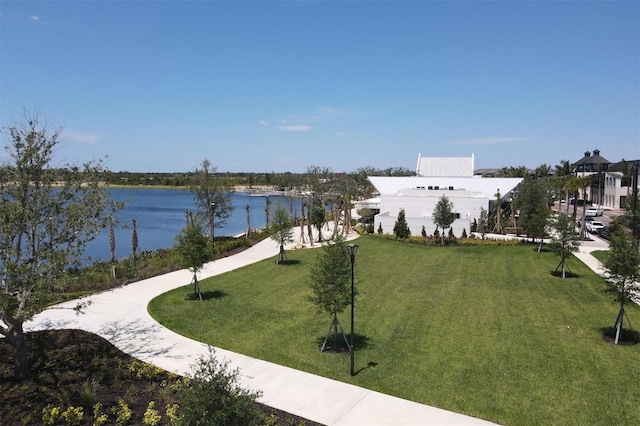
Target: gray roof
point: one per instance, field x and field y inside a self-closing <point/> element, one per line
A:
<point x="596" y="158"/>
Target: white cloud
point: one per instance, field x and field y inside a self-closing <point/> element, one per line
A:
<point x="342" y="134"/>
<point x="330" y="112"/>
<point x="263" y="123"/>
<point x="488" y="140"/>
<point x="82" y="137"/>
<point x="295" y="128"/>
<point x="34" y="18"/>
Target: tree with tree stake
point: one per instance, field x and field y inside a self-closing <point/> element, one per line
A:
<point x="212" y="195"/>
<point x="330" y="275"/>
<point x="564" y="241"/>
<point x="318" y="219"/>
<point x="192" y="244"/>
<point x="443" y="215"/>
<point x="622" y="271"/>
<point x="534" y="209"/>
<point x="281" y="231"/>
<point x="47" y="216"/>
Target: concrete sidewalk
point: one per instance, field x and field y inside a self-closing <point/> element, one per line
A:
<point x="120" y="316"/>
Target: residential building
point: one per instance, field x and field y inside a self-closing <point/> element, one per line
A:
<point x="618" y="184"/>
<point x="595" y="166"/>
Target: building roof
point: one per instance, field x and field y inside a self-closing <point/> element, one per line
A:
<point x="488" y="187"/>
<point x="617" y="167"/>
<point x="596" y="158"/>
<point x="445" y="166"/>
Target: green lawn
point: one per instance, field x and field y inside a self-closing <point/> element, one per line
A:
<point x="484" y="331"/>
<point x="601" y="255"/>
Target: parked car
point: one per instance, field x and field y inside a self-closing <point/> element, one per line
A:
<point x="604" y="233"/>
<point x="594" y="210"/>
<point x="594" y="226"/>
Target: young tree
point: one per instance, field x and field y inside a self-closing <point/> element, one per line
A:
<point x="622" y="270"/>
<point x="47" y="216"/>
<point x="212" y="195"/>
<point x="134" y="240"/>
<point x="564" y="241"/>
<point x="281" y="231"/>
<point x="318" y="219"/>
<point x="400" y="228"/>
<point x="483" y="224"/>
<point x="443" y="215"/>
<point x="330" y="281"/>
<point x="192" y="244"/>
<point x="534" y="210"/>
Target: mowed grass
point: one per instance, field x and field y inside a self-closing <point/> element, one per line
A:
<point x="484" y="331"/>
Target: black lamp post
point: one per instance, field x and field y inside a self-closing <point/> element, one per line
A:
<point x="353" y="248"/>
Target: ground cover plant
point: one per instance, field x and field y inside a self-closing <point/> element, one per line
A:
<point x="487" y="331"/>
<point x="78" y="372"/>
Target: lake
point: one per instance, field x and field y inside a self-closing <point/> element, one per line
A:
<point x="160" y="216"/>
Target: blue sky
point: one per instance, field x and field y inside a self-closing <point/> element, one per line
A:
<point x="267" y="86"/>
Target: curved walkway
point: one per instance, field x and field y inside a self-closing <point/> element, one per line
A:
<point x="120" y="316"/>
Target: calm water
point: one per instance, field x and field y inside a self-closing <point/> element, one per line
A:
<point x="160" y="215"/>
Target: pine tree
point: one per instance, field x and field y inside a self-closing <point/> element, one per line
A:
<point x="401" y="229"/>
<point x="443" y="215"/>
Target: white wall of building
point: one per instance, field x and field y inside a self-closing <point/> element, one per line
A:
<point x="419" y="205"/>
<point x="614" y="191"/>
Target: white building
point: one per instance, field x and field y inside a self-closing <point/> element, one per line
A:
<point x="418" y="195"/>
<point x="617" y="186"/>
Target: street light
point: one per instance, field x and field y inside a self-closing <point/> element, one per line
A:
<point x="353" y="248"/>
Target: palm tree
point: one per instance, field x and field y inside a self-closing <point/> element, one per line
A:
<point x="583" y="184"/>
<point x="571" y="187"/>
<point x="564" y="168"/>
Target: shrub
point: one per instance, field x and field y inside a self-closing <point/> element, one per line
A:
<point x="151" y="415"/>
<point x="173" y="414"/>
<point x="214" y="397"/>
<point x="50" y="414"/>
<point x="369" y="228"/>
<point x="143" y="370"/>
<point x="122" y="413"/>
<point x="380" y="228"/>
<point x="73" y="415"/>
<point x="99" y="418"/>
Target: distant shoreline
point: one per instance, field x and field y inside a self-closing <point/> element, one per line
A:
<point x="237" y="188"/>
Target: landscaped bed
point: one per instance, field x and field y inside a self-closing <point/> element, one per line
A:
<point x="484" y="331"/>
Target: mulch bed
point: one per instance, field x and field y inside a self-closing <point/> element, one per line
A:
<point x="65" y="362"/>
